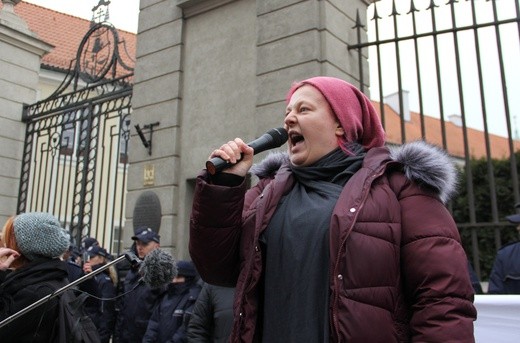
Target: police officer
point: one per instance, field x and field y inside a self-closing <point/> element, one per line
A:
<point x="139" y="300"/>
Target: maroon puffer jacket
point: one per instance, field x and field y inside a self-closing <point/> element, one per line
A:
<point x="397" y="270"/>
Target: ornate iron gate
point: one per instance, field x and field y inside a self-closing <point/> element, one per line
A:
<point x="456" y="62"/>
<point x="76" y="145"/>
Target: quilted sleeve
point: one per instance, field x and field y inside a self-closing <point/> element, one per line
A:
<point x="215" y="226"/>
<point x="434" y="267"/>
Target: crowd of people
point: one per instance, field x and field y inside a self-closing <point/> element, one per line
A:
<point x="340" y="239"/>
<point x="36" y="259"/>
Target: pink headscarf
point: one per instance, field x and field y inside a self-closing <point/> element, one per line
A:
<point x="355" y="112"/>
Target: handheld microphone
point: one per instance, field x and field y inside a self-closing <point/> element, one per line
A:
<point x="269" y="140"/>
<point x="158" y="268"/>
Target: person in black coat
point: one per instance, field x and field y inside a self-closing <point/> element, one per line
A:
<point x="75" y="271"/>
<point x="212" y="317"/>
<point x="33" y="244"/>
<point x="169" y="322"/>
<point x="139" y="300"/>
<point x="102" y="311"/>
<point x="505" y="274"/>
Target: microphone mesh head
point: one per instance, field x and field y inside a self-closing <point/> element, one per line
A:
<point x="279" y="135"/>
<point x="158" y="268"/>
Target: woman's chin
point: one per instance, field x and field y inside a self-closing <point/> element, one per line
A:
<point x="297" y="161"/>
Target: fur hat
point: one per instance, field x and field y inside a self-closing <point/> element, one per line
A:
<point x="40" y="234"/>
<point x="355" y="112"/>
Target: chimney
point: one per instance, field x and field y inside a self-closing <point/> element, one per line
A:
<point x="392" y="100"/>
<point x="8" y="17"/>
<point x="455" y="119"/>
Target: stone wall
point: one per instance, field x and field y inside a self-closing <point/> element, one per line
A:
<point x="213" y="70"/>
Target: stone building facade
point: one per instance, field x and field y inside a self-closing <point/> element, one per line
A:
<point x="206" y="71"/>
<point x="211" y="70"/>
<point x="20" y="54"/>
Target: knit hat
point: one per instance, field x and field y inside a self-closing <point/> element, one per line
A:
<point x="39" y="234"/>
<point x="355" y="112"/>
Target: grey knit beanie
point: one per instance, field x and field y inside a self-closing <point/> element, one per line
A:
<point x="40" y="234"/>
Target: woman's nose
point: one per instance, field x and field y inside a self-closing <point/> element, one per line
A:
<point x="290" y="118"/>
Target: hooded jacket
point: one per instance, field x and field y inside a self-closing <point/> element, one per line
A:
<point x="397" y="270"/>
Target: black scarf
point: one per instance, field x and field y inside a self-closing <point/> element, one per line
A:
<point x="335" y="167"/>
<point x="297" y="250"/>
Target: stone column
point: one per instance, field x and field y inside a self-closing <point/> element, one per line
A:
<point x="156" y="99"/>
<point x="301" y="39"/>
<point x="20" y="58"/>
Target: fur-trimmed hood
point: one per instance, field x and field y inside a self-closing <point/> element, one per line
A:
<point x="423" y="163"/>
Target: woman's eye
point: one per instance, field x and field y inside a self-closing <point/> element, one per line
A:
<point x="303" y="109"/>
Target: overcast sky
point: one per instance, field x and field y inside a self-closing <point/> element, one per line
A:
<point x="488" y="49"/>
<point x="123" y="13"/>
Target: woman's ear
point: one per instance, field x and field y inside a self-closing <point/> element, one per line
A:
<point x="339" y="130"/>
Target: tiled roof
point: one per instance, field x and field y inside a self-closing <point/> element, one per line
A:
<point x="499" y="146"/>
<point x="65" y="33"/>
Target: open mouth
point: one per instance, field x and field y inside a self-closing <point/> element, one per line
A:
<point x="296" y="138"/>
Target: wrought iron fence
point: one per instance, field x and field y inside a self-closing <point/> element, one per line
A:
<point x="448" y="73"/>
<point x="75" y="154"/>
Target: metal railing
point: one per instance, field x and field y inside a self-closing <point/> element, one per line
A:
<point x="453" y="58"/>
<point x="75" y="156"/>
